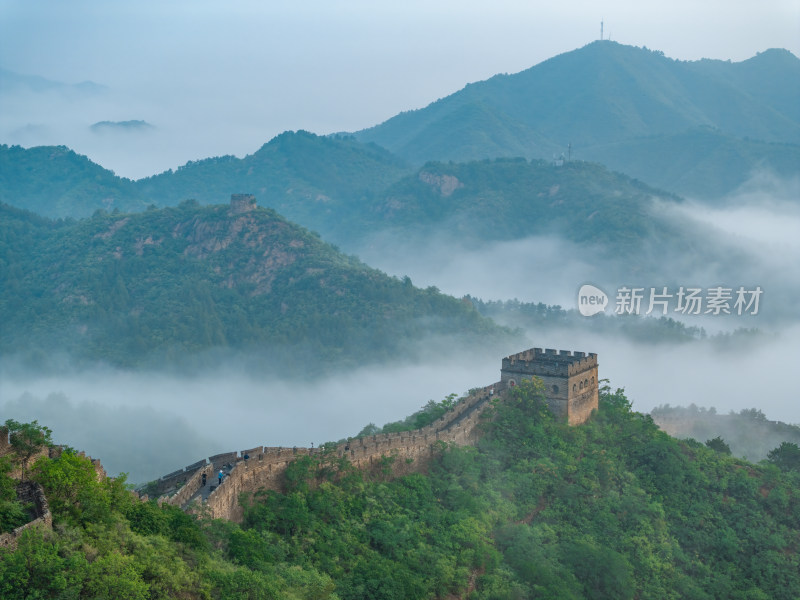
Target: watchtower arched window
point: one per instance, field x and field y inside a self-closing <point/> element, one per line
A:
<point x="580" y="385"/>
<point x="574" y="388"/>
<point x="555" y="389"/>
<point x="586" y="383"/>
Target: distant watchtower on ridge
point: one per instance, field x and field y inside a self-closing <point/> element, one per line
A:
<point x="241" y="203"/>
<point x="570" y="379"/>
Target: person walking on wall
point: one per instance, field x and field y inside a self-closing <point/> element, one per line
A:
<point x="204" y="480"/>
<point x="221" y="474"/>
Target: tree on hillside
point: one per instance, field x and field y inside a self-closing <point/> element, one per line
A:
<point x="12" y="513"/>
<point x="786" y="456"/>
<point x="719" y="445"/>
<point x="27" y="439"/>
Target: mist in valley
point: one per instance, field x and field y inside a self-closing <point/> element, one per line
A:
<point x="149" y="424"/>
<point x="753" y="235"/>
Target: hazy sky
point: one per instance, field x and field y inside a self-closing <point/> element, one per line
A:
<point x="223" y="78"/>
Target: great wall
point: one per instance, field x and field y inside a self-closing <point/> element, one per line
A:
<point x="264" y="466"/>
<point x="571" y="389"/>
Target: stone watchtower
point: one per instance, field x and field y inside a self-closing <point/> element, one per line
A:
<point x="241" y="203"/>
<point x="570" y="379"/>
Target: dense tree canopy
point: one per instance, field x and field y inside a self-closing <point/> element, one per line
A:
<point x="190" y="285"/>
<point x="27" y="439"/>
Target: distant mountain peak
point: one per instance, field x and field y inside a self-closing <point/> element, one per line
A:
<point x="604" y="92"/>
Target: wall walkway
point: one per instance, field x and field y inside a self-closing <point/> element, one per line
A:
<point x="265" y="465"/>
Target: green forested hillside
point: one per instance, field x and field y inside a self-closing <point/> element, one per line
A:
<point x="508" y="199"/>
<point x="182" y="285"/>
<point x="697" y="128"/>
<point x="748" y="433"/>
<point x="604" y="92"/>
<point x="611" y="509"/>
<point x="56" y="182"/>
<point x="699" y="163"/>
<point x="298" y="163"/>
<point x="306" y="177"/>
<point x="541" y="317"/>
<point x="475" y="202"/>
<point x="348" y="191"/>
<point x="625" y="107"/>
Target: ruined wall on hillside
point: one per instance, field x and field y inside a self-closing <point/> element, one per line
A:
<point x="29" y="492"/>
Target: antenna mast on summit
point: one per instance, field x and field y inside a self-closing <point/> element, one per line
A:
<point x="601" y="30"/>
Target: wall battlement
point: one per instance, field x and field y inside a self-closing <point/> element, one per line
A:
<point x="550" y="362"/>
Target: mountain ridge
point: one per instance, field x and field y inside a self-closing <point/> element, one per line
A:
<point x="190" y="284"/>
<point x="599" y="94"/>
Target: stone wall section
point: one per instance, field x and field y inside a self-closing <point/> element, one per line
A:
<point x="411" y="451"/>
<point x="5" y="444"/>
<point x="241" y="203"/>
<point x="6" y="450"/>
<point x="29" y="492"/>
<point x="582" y="403"/>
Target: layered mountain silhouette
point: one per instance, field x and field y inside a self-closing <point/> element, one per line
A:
<point x="611" y="103"/>
<point x="697" y="128"/>
<point x="348" y="191"/>
<point x="296" y="173"/>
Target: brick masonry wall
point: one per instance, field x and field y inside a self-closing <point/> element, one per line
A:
<point x="264" y="469"/>
<point x="582" y="401"/>
<point x="31" y="492"/>
<point x="5" y="445"/>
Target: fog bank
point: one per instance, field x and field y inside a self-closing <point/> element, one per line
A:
<point x="151" y="424"/>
